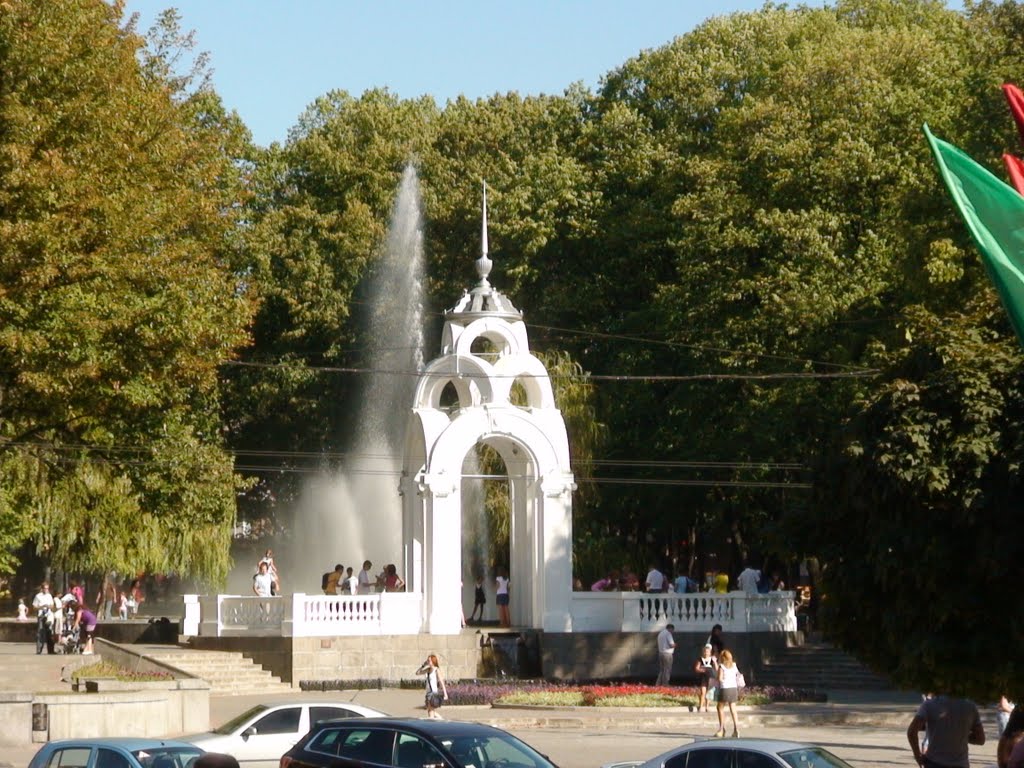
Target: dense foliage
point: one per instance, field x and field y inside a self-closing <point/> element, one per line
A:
<point x="770" y="335"/>
<point x="117" y="298"/>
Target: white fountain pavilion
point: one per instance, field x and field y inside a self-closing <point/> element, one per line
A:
<point x="531" y="440"/>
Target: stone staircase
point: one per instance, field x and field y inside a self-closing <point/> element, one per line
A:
<point x="227" y="672"/>
<point x="817" y="665"/>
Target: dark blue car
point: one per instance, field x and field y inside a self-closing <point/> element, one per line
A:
<point x="410" y="743"/>
<point x="116" y="753"/>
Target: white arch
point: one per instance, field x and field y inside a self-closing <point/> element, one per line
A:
<point x="528" y="371"/>
<point x="462" y="433"/>
<point x="471" y="377"/>
<point x="496" y="330"/>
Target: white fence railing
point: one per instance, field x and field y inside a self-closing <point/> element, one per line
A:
<point x="300" y="615"/>
<point x="641" y="612"/>
<point x="401" y="613"/>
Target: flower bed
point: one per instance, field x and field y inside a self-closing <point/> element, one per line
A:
<point x="620" y="695"/>
<point x="540" y="693"/>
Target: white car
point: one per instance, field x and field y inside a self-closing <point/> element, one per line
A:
<point x="257" y="738"/>
<point x="740" y="753"/>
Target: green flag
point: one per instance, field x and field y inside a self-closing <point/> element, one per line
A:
<point x="994" y="213"/>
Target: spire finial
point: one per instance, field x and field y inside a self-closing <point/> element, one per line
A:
<point x="483" y="264"/>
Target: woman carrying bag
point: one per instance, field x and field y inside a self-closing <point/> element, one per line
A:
<point x="436" y="693"/>
<point x="729" y="683"/>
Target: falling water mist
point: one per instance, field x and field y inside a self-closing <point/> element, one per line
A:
<point x="355" y="514"/>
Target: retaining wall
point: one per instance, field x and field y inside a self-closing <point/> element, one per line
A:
<point x="388" y="657"/>
<point x="634" y="655"/>
<point x="156" y="709"/>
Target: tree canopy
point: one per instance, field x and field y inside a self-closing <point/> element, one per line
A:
<point x="117" y="298"/>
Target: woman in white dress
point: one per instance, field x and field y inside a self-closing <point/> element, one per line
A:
<point x="728" y="691"/>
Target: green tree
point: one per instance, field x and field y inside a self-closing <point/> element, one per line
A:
<point x="766" y="209"/>
<point x="118" y="200"/>
<point x="925" y="478"/>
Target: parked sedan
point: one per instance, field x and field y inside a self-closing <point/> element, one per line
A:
<point x="410" y="743"/>
<point x="740" y="753"/>
<point x="259" y="736"/>
<point x="116" y="753"/>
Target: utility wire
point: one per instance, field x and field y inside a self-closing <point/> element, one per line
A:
<point x="343" y="455"/>
<point x="852" y="374"/>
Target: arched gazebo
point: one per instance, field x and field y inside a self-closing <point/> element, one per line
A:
<point x="531" y="440"/>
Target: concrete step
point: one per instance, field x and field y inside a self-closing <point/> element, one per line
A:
<point x="818" y="665"/>
<point x="227" y="672"/>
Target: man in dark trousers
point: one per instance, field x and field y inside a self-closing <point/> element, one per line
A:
<point x="951" y="724"/>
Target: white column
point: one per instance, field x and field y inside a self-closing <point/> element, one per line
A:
<point x="443" y="557"/>
<point x="190" y="623"/>
<point x="554" y="515"/>
<point x="526" y="571"/>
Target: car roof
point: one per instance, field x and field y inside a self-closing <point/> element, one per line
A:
<point x="311" y="703"/>
<point x="767" y="745"/>
<point x="435" y="728"/>
<point x="130" y="743"/>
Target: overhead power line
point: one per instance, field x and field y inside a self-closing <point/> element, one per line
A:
<point x="851" y="374"/>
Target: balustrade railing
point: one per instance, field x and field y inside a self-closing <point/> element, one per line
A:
<point x="301" y="615"/>
<point x="401" y="613"/>
<point x="640" y="612"/>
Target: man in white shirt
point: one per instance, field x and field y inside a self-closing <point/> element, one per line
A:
<point x="264" y="583"/>
<point x="655" y="581"/>
<point x="366" y="580"/>
<point x="43" y="603"/>
<point x="351" y="583"/>
<point x="666" y="650"/>
<point x="748" y="580"/>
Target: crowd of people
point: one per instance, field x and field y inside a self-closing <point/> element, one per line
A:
<point x="716" y="674"/>
<point x="62" y="622"/>
<point x="624" y="579"/>
<point x="344" y="581"/>
<point x="65" y="622"/>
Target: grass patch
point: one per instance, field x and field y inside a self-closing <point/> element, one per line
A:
<point x="543" y="698"/>
<point x="646" y="700"/>
<point x="106" y="670"/>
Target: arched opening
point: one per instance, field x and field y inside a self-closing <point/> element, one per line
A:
<point x="449" y="399"/>
<point x="486" y="525"/>
<point x="518" y="394"/>
<point x="485" y="348"/>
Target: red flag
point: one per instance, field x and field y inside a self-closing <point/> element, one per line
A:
<point x="1015" y="168"/>
<point x="1016" y="101"/>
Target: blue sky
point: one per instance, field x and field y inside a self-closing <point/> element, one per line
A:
<point x="272" y="58"/>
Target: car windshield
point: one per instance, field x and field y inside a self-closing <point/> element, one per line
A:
<point x="232" y="725"/>
<point x="494" y="751"/>
<point x="167" y="757"/>
<point x="812" y="757"/>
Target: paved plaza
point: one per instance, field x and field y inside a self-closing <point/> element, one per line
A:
<point x="867" y="728"/>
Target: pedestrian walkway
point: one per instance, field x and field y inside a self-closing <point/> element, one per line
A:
<point x="845" y="712"/>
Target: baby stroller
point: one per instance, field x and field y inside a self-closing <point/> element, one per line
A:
<point x="70" y="641"/>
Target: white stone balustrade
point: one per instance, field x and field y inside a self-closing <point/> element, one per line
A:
<point x="698" y="611"/>
<point x="301" y="615"/>
<point x="401" y="613"/>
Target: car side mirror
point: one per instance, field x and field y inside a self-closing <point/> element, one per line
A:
<point x="250" y="731"/>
